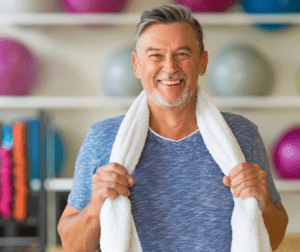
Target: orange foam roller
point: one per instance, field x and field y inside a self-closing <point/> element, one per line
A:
<point x="20" y="171"/>
<point x="19" y="143"/>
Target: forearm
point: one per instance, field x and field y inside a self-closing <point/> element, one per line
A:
<point x="81" y="232"/>
<point x="276" y="222"/>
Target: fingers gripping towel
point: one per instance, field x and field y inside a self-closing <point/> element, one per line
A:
<point x="118" y="231"/>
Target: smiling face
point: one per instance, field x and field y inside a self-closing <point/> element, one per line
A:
<point x="169" y="64"/>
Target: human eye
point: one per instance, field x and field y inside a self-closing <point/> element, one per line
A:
<point x="182" y="56"/>
<point x="156" y="57"/>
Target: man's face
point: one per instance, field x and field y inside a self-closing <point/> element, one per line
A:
<point x="169" y="63"/>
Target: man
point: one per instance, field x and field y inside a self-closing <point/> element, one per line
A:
<point x="181" y="200"/>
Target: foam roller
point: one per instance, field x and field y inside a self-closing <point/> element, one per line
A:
<point x="20" y="172"/>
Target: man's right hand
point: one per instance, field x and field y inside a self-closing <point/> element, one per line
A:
<point x="109" y="181"/>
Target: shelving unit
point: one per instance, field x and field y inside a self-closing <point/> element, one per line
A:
<point x="62" y="20"/>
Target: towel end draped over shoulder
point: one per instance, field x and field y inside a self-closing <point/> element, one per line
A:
<point x="118" y="231"/>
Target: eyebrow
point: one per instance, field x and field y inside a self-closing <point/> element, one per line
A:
<point x="152" y="49"/>
<point x="186" y="47"/>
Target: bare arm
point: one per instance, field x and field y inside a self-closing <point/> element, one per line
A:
<point x="80" y="230"/>
<point x="276" y="221"/>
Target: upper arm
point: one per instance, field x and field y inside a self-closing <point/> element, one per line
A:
<point x="280" y="207"/>
<point x="260" y="157"/>
<point x="67" y="213"/>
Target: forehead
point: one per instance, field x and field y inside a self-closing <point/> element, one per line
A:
<point x="172" y="35"/>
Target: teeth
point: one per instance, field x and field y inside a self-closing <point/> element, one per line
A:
<point x="170" y="82"/>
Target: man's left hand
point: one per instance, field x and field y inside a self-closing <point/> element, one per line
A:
<point x="249" y="180"/>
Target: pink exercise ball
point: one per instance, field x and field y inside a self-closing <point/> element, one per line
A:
<point x="92" y="6"/>
<point x="18" y="68"/>
<point x="206" y="5"/>
<point x="286" y="154"/>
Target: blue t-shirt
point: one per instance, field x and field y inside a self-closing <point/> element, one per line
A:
<point x="179" y="202"/>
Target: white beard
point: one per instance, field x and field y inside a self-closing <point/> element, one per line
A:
<point x="173" y="104"/>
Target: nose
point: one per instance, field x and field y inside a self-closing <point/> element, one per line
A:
<point x="170" y="65"/>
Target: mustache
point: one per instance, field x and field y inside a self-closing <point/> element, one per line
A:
<point x="166" y="76"/>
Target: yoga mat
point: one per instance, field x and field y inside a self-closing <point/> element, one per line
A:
<point x="6" y="184"/>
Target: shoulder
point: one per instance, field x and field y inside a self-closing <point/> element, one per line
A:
<point x="239" y="120"/>
<point x="96" y="147"/>
<point x="245" y="132"/>
<point x="102" y="136"/>
<point x="107" y="128"/>
<point x="240" y="124"/>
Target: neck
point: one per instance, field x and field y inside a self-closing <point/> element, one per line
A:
<point x="173" y="124"/>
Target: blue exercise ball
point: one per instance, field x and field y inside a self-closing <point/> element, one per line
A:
<point x="271" y="7"/>
<point x="59" y="146"/>
<point x="118" y="77"/>
<point x="240" y="70"/>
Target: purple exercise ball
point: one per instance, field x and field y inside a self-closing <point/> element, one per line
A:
<point x="18" y="68"/>
<point x="286" y="154"/>
<point x="94" y="6"/>
<point x="206" y="5"/>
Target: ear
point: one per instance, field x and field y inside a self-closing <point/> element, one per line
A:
<point x="136" y="66"/>
<point x="203" y="63"/>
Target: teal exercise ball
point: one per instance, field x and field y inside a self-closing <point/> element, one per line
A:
<point x="240" y="70"/>
<point x="57" y="141"/>
<point x="271" y="7"/>
<point x="118" y="77"/>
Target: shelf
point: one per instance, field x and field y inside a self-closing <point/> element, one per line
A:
<point x="47" y="102"/>
<point x="38" y="19"/>
<point x="18" y="241"/>
<point x="266" y="102"/>
<point x="288" y="185"/>
<point x="65" y="184"/>
<point x="59" y="184"/>
<point x="90" y="102"/>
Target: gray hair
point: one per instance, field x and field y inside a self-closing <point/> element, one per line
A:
<point x="168" y="14"/>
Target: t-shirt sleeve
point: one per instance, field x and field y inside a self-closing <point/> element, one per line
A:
<point x="85" y="166"/>
<point x="260" y="157"/>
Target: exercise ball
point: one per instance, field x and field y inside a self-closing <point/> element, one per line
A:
<point x="55" y="145"/>
<point x="93" y="6"/>
<point x="240" y="70"/>
<point x="206" y="5"/>
<point x="118" y="77"/>
<point x="18" y="68"/>
<point x="271" y="7"/>
<point x="286" y="154"/>
<point x="298" y="79"/>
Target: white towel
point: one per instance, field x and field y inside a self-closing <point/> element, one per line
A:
<point x="118" y="231"/>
